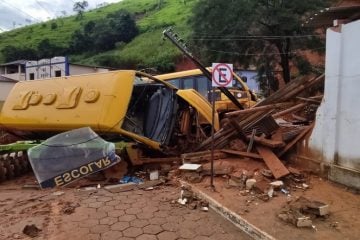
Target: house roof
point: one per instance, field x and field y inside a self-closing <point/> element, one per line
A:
<point x="325" y="17"/>
<point x="17" y="62"/>
<point x="6" y="79"/>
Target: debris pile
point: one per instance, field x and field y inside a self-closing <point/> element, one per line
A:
<point x="268" y="130"/>
<point x="301" y="211"/>
<point x="189" y="199"/>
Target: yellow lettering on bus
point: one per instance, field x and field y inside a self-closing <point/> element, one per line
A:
<point x="23" y="100"/>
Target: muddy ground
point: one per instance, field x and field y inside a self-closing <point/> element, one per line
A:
<point x="343" y="221"/>
<point x="70" y="213"/>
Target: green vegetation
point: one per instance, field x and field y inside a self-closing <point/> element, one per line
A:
<point x="144" y="51"/>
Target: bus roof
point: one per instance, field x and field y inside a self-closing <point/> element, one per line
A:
<point x="195" y="72"/>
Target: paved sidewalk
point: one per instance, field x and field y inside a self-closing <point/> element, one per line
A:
<point x="141" y="215"/>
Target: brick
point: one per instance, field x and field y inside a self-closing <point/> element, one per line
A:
<point x="133" y="210"/>
<point x="167" y="236"/>
<point x="152" y="229"/>
<point x="116" y="213"/>
<point x="127" y="218"/>
<point x="146" y="237"/>
<point x="111" y="235"/>
<point x="120" y="226"/>
<point x="132" y="232"/>
<point x="139" y="223"/>
<point x="89" y="223"/>
<point x="108" y="221"/>
<point x="99" y="229"/>
<point x="158" y="220"/>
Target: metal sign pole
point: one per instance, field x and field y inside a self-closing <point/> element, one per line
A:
<point x="212" y="138"/>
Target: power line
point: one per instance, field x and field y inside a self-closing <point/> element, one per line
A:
<point x="39" y="4"/>
<point x="256" y="54"/>
<point x="258" y="37"/>
<point x="18" y="9"/>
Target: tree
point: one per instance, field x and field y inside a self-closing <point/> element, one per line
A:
<point x="262" y="32"/>
<point x="12" y="53"/>
<point x="80" y="7"/>
<point x="47" y="49"/>
<point x="105" y="33"/>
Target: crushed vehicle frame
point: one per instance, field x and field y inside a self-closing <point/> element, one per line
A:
<point x="118" y="105"/>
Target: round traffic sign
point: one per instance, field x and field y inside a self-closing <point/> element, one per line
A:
<point x="222" y="75"/>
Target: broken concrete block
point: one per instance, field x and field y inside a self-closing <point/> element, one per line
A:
<point x="250" y="183"/>
<point x="270" y="193"/>
<point x="304" y="222"/>
<point x="204" y="209"/>
<point x="277" y="184"/>
<point x="191" y="167"/>
<point x="296" y="218"/>
<point x="317" y="208"/>
<point x="154" y="175"/>
<point x="182" y="201"/>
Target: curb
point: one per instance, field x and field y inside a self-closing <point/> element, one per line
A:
<point x="231" y="216"/>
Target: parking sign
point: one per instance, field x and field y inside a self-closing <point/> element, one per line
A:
<point x="222" y="75"/>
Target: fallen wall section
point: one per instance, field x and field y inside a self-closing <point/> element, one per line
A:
<point x="335" y="141"/>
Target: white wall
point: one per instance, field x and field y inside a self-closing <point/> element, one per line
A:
<point x="46" y="68"/>
<point x="336" y="137"/>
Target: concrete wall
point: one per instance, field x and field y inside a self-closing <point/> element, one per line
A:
<point x="335" y="140"/>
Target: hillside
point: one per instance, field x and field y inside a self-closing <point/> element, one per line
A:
<point x="146" y="50"/>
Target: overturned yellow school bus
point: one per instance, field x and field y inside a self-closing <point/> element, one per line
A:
<point x="118" y="105"/>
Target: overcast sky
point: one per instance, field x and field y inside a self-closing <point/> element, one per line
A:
<point x="23" y="12"/>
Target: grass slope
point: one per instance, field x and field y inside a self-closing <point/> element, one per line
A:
<point x="146" y="50"/>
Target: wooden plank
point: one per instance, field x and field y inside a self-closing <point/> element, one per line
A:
<point x="289" y="110"/>
<point x="268" y="142"/>
<point x="273" y="162"/>
<point x="295" y="140"/>
<point x="257" y="109"/>
<point x="242" y="154"/>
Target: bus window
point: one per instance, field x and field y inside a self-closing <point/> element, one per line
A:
<point x="188" y="83"/>
<point x="203" y="86"/>
<point x="175" y="82"/>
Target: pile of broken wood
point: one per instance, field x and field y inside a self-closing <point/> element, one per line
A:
<point x="269" y="129"/>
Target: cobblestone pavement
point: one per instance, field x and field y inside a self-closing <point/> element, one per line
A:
<point x="101" y="215"/>
<point x="143" y="215"/>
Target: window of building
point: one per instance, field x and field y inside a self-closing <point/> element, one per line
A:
<point x="32" y="76"/>
<point x="58" y="73"/>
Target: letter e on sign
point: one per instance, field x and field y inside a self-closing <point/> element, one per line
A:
<point x="222" y="75"/>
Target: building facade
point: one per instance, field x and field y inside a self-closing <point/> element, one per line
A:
<point x="22" y="70"/>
